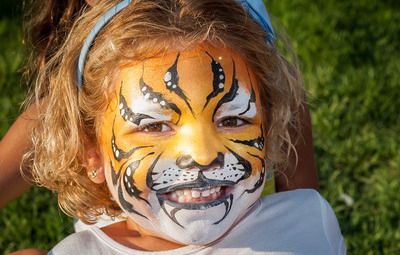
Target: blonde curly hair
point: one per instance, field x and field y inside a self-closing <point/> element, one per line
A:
<point x="145" y="29"/>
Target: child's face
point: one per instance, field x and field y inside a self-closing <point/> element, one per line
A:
<point x="183" y="143"/>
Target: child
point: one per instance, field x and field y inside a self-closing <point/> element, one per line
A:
<point x="169" y="125"/>
<point x="48" y="24"/>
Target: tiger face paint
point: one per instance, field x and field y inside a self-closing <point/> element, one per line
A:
<point x="184" y="143"/>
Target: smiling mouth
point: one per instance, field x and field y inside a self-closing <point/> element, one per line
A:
<point x="196" y="198"/>
<point x="197" y="195"/>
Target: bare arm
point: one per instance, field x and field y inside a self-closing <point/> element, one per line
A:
<point x="12" y="147"/>
<point x="304" y="175"/>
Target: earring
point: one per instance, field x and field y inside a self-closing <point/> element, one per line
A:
<point x="93" y="173"/>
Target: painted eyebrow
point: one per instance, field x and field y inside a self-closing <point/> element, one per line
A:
<point x="126" y="112"/>
<point x="231" y="94"/>
<point x="158" y="98"/>
<point x="218" y="79"/>
<point x="171" y="81"/>
<point x="238" y="102"/>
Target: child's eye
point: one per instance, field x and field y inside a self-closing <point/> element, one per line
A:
<point x="230" y="122"/>
<point x="155" y="128"/>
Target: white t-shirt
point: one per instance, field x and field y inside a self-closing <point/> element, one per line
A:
<point x="292" y="222"/>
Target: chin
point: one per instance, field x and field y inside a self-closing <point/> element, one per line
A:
<point x="201" y="220"/>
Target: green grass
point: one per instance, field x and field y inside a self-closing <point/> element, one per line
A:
<point x="349" y="52"/>
<point x="351" y="62"/>
<point x="34" y="220"/>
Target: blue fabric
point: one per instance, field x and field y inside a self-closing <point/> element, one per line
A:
<point x="92" y="35"/>
<point x="255" y="8"/>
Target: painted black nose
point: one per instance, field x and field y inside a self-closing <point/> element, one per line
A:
<point x="187" y="161"/>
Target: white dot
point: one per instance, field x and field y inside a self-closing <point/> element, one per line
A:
<point x="221" y="77"/>
<point x="144" y="88"/>
<point x="162" y="103"/>
<point x="126" y="178"/>
<point x="169" y="83"/>
<point x="121" y="105"/>
<point x="117" y="153"/>
<point x="122" y="111"/>
<point x="129" y="184"/>
<point x="155" y="100"/>
<point x="221" y="85"/>
<point x="130" y="119"/>
<point x="220" y="69"/>
<point x="167" y="76"/>
<point x="147" y="96"/>
<point x="128" y="171"/>
<point x="174" y="86"/>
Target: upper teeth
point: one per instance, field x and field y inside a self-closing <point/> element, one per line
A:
<point x="187" y="195"/>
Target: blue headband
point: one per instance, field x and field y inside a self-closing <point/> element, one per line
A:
<point x="255" y="8"/>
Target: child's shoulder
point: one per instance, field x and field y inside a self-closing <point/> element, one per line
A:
<point x="292" y="198"/>
<point x="299" y="220"/>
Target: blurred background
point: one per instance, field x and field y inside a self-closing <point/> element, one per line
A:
<point x="350" y="58"/>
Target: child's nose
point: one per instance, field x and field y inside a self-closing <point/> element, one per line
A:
<point x="198" y="146"/>
<point x="187" y="161"/>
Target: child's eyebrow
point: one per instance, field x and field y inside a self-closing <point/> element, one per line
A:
<point x="128" y="115"/>
<point x="241" y="104"/>
<point x="144" y="110"/>
<point x="157" y="99"/>
<point x="239" y="108"/>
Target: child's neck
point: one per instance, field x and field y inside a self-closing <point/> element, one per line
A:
<point x="129" y="234"/>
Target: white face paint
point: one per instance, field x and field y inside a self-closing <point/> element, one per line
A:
<point x="187" y="161"/>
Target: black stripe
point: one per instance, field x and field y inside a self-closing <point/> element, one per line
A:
<point x="228" y="206"/>
<point x="246" y="164"/>
<point x="129" y="182"/>
<point x="257" y="143"/>
<point x="260" y="181"/>
<point x="171" y="81"/>
<point x="149" y="179"/>
<point x="251" y="100"/>
<point x="218" y="83"/>
<point x="114" y="175"/>
<point x="231" y="94"/>
<point x="172" y="215"/>
<point x="126" y="205"/>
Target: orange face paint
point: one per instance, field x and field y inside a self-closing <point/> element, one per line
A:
<point x="183" y="133"/>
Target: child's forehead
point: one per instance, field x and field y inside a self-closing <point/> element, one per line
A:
<point x="195" y="59"/>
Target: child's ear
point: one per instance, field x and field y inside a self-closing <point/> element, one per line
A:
<point x="94" y="166"/>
